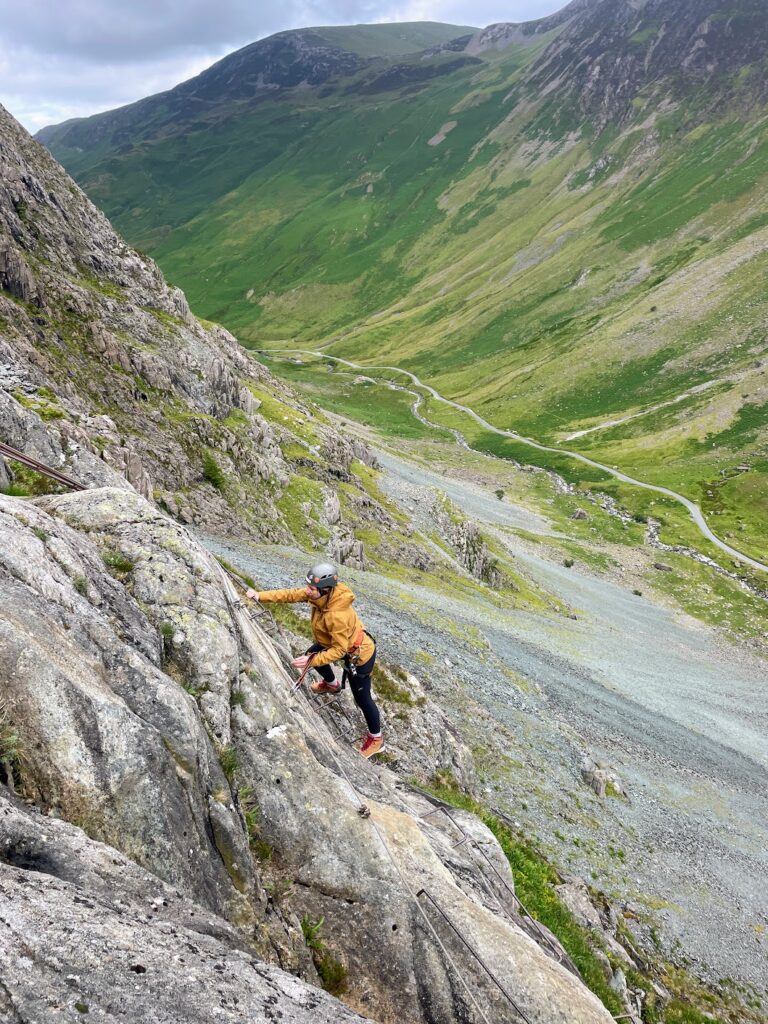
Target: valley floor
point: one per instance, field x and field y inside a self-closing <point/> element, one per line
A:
<point x="677" y="710"/>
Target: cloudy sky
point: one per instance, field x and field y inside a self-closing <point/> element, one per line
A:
<point x="70" y="58"/>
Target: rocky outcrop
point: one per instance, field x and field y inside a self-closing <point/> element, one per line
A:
<point x="15" y="276"/>
<point x="133" y="670"/>
<point x="608" y="53"/>
<point x="105" y="372"/>
<point x="601" y="778"/>
<point x="346" y="549"/>
<point x="86" y="932"/>
<point x="526" y="33"/>
<point x="468" y="542"/>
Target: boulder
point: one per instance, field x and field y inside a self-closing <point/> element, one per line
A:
<point x="576" y="898"/>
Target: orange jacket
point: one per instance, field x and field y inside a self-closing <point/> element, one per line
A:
<point x="335" y="623"/>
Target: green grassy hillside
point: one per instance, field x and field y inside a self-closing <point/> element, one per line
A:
<point x="391" y="40"/>
<point x="443" y="215"/>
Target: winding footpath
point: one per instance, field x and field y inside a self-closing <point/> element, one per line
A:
<point x="693" y="509"/>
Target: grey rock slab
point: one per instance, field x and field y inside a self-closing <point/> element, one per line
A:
<point x="66" y="954"/>
<point x="48" y="846"/>
<point x="111" y="741"/>
<point x="174" y="581"/>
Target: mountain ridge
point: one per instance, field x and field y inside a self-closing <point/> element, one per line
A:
<point x="295" y="57"/>
<point x="574" y="224"/>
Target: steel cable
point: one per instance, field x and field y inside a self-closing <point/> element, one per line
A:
<point x="311" y="724"/>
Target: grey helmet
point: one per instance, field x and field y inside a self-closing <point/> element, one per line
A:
<point x="323" y="576"/>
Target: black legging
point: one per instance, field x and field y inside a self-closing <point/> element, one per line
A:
<point x="359" y="684"/>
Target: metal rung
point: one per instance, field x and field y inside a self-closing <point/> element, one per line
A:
<point x="321" y="705"/>
<point x="336" y="703"/>
<point x="436" y="810"/>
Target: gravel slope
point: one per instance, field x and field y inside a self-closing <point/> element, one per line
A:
<point x="680" y="714"/>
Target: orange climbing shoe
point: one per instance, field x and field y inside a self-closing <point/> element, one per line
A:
<point x="372" y="745"/>
<point x="320" y="686"/>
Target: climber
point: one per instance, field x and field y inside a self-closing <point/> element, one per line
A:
<point x="338" y="634"/>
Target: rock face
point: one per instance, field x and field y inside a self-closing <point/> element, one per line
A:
<point x="503" y="34"/>
<point x="105" y="372"/>
<point x="85" y="931"/>
<point x="132" y="670"/>
<point x="608" y="51"/>
<point x="101" y="357"/>
<point x="119" y="747"/>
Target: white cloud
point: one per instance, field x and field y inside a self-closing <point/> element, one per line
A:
<point x="41" y="92"/>
<point x="70" y="58"/>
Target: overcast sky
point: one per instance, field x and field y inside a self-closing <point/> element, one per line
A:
<point x="71" y="58"/>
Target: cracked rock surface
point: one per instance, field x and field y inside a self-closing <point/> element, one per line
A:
<point x="123" y="726"/>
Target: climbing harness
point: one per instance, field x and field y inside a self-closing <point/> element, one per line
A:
<point x="352" y="658"/>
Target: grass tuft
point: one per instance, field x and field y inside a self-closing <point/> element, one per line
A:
<point x="11" y="749"/>
<point x="386" y="688"/>
<point x="117" y="561"/>
<point x="229" y="761"/>
<point x="332" y="972"/>
<point x="212" y="471"/>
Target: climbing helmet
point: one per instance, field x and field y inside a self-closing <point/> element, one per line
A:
<point x="323" y="576"/>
